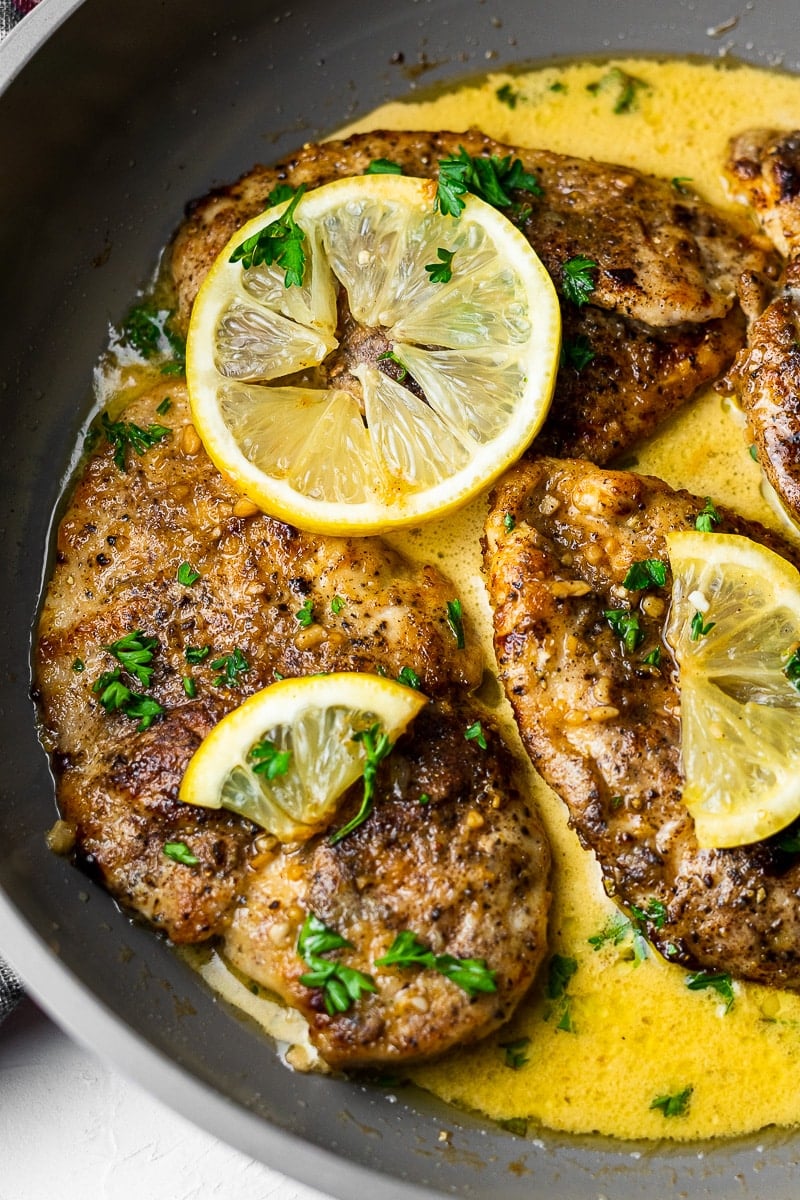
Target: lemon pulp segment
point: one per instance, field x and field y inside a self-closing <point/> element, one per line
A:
<point x="740" y="711"/>
<point x="436" y="386"/>
<point x="311" y="722"/>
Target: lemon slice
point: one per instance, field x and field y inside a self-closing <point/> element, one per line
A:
<point x="734" y="626"/>
<point x="377" y="393"/>
<point x="286" y="755"/>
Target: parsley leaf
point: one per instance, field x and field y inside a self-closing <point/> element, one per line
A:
<point x="515" y="1056"/>
<point x="196" y="654"/>
<point x="124" y="434"/>
<point x="625" y="625"/>
<point x="383" y="166"/>
<point x="626" y="86"/>
<point x="472" y="975"/>
<point x="491" y="179"/>
<point x="509" y="522"/>
<point x="179" y="852"/>
<point x="577" y="279"/>
<point x="507" y="95"/>
<point x="266" y="759"/>
<point x="342" y="986"/>
<point x="441" y="272"/>
<point x="475" y="734"/>
<point x="376" y="747"/>
<point x="707" y="518"/>
<point x="305" y="615"/>
<point x="455" y="620"/>
<point x="644" y="573"/>
<point x="281" y="192"/>
<point x="187" y="575"/>
<point x="653" y="659"/>
<point x="337" y="604"/>
<point x="577" y="353"/>
<point x="791" y="668"/>
<point x="698" y="628"/>
<point x="230" y="666"/>
<point x="135" y="652"/>
<point x="718" y="981"/>
<point x="115" y="695"/>
<point x="409" y="677"/>
<point x="279" y="242"/>
<point x="676" y="1105"/>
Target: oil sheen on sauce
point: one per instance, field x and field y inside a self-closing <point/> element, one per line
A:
<point x="624" y="1031"/>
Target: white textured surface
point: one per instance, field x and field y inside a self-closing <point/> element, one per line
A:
<point x="72" y="1128"/>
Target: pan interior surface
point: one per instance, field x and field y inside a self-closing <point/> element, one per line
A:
<point x="152" y="106"/>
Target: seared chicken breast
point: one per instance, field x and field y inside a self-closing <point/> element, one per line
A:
<point x="602" y="726"/>
<point x="671" y="276"/>
<point x="763" y="170"/>
<point x="465" y="871"/>
<point x="451" y="850"/>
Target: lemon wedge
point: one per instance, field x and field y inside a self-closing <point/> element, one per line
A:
<point x="286" y="755"/>
<point x="357" y="361"/>
<point x="734" y="627"/>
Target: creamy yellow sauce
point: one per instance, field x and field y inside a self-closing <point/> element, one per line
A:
<point x="627" y="1032"/>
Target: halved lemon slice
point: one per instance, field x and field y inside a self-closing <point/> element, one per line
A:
<point x="357" y="361"/>
<point x="734" y="626"/>
<point x="286" y="755"/>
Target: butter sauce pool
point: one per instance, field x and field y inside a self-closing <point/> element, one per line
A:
<point x="612" y="1039"/>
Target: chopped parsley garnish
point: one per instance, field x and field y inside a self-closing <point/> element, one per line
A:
<point x="164" y="406"/>
<point x="279" y="242"/>
<point x="230" y="666"/>
<point x="78" y="665"/>
<point x="507" y="95"/>
<point x="342" y="986"/>
<point x="648" y="572"/>
<point x="141" y="330"/>
<point x="627" y="88"/>
<point x="753" y="451"/>
<point x="509" y="522"/>
<point x="625" y="625"/>
<point x="114" y="695"/>
<point x="280" y="193"/>
<point x="424" y="798"/>
<point x="475" y="734"/>
<point x="707" y="518"/>
<point x="384" y="166"/>
<point x="266" y="759"/>
<point x="515" y="1056"/>
<point x="455" y="620"/>
<point x="471" y="974"/>
<point x="676" y="1105"/>
<point x="305" y="615"/>
<point x="655" y="914"/>
<point x="187" y="574"/>
<point x="124" y="434"/>
<point x="679" y="184"/>
<point x="491" y="179"/>
<point x="377" y="747"/>
<point x="791" y="668"/>
<point x="577" y="353"/>
<point x="441" y="271"/>
<point x="619" y="929"/>
<point x="135" y="653"/>
<point x="196" y="654"/>
<point x="390" y="356"/>
<point x="337" y="604"/>
<point x="578" y="279"/>
<point x="179" y="852"/>
<point x="718" y="981"/>
<point x="698" y="628"/>
<point x="653" y="659"/>
<point x="409" y="677"/>
<point x="559" y="973"/>
<point x="189" y="686"/>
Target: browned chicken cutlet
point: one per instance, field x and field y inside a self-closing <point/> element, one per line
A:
<point x="602" y="725"/>
<point x="466" y="871"/>
<point x="671" y="282"/>
<point x="763" y="169"/>
<point x="454" y="863"/>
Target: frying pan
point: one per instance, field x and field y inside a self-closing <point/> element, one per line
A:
<point x="112" y="115"/>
